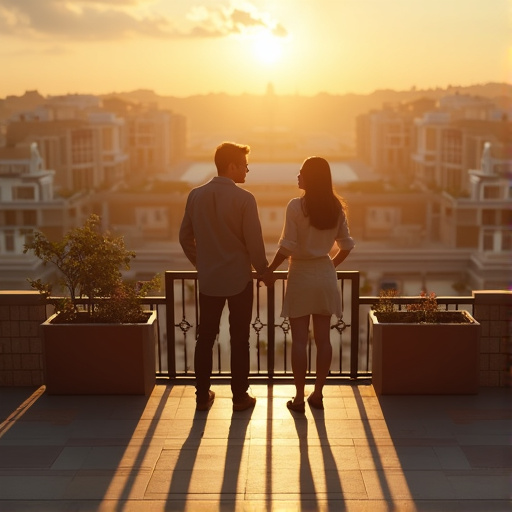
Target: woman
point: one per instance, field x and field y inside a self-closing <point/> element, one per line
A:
<point x="314" y="222"/>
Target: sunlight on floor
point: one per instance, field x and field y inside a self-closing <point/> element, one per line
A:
<point x="175" y="452"/>
<point x="21" y="410"/>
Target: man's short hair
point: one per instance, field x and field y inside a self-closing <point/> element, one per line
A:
<point x="227" y="153"/>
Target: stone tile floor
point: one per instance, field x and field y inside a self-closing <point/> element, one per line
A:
<point x="363" y="453"/>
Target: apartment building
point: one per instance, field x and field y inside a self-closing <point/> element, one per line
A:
<point x="28" y="202"/>
<point x="85" y="154"/>
<point x="92" y="146"/>
<point x="385" y="138"/>
<point x="447" y="148"/>
<point x="461" y="158"/>
<point x="431" y="143"/>
<point x="156" y="138"/>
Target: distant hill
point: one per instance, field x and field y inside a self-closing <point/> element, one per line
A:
<point x="323" y="113"/>
<point x="283" y="119"/>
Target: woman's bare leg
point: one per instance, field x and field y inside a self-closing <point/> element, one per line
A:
<point x="322" y="329"/>
<point x="300" y="335"/>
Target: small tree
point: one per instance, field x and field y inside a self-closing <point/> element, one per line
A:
<point x="89" y="264"/>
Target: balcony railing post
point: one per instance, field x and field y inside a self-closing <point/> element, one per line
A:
<point x="271" y="330"/>
<point x="354" y="331"/>
<point x="171" y="337"/>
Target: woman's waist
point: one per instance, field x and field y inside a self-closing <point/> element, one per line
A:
<point x="312" y="258"/>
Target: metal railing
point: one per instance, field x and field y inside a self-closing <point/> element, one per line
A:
<point x="270" y="338"/>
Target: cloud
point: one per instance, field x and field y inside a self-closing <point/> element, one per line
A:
<point x="53" y="20"/>
<point x="245" y="19"/>
<point x="82" y="19"/>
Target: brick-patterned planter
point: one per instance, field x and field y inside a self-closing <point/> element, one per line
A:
<point x="99" y="359"/>
<point x="425" y="359"/>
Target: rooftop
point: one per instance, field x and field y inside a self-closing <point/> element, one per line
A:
<point x="278" y="172"/>
<point x="363" y="453"/>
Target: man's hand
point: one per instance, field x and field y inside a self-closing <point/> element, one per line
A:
<point x="267" y="278"/>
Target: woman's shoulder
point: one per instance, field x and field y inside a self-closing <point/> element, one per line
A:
<point x="295" y="203"/>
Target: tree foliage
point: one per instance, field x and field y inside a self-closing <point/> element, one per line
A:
<point x="90" y="262"/>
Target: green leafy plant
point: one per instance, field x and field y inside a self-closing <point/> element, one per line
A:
<point x="89" y="264"/>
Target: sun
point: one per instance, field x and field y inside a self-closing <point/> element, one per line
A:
<point x="268" y="49"/>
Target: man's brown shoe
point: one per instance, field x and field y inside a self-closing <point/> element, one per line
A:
<point x="245" y="403"/>
<point x="204" y="406"/>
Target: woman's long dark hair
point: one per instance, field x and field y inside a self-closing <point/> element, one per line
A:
<point x="320" y="202"/>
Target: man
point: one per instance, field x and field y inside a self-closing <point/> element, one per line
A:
<point x="221" y="236"/>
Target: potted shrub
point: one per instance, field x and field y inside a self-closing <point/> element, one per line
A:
<point x="100" y="340"/>
<point x="422" y="350"/>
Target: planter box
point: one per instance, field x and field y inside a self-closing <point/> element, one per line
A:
<point x="423" y="359"/>
<point x="99" y="359"/>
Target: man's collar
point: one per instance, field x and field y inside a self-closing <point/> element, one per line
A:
<point x="223" y="179"/>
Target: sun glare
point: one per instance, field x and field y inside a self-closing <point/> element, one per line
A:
<point x="268" y="49"/>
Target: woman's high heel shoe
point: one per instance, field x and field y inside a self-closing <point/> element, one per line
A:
<point x="296" y="407"/>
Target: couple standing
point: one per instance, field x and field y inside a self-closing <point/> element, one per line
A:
<point x="221" y="236"/>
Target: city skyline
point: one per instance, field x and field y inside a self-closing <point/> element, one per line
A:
<point x="237" y="46"/>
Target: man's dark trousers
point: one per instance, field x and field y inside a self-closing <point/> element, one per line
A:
<point x="210" y="312"/>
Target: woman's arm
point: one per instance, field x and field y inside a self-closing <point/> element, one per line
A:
<point x="340" y="256"/>
<point x="268" y="277"/>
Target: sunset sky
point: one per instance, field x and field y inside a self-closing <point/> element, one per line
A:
<point x="188" y="47"/>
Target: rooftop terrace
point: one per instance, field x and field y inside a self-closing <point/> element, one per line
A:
<point x="363" y="453"/>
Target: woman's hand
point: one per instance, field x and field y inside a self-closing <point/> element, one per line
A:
<point x="268" y="278"/>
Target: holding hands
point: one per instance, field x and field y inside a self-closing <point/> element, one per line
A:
<point x="268" y="277"/>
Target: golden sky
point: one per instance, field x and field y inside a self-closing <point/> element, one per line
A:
<point x="188" y="47"/>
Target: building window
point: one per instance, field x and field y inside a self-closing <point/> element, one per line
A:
<point x="452" y="147"/>
<point x="108" y="139"/>
<point x="488" y="217"/>
<point x="506" y="241"/>
<point x="28" y="234"/>
<point x="9" y="240"/>
<point x="491" y="192"/>
<point x="431" y="139"/>
<point x="23" y="193"/>
<point x="29" y="218"/>
<point x="488" y="241"/>
<point x="10" y="218"/>
<point x="82" y="144"/>
<point x="506" y="218"/>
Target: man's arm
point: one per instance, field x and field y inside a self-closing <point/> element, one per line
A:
<point x="187" y="238"/>
<point x="254" y="237"/>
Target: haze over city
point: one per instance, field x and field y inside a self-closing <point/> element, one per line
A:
<point x="236" y="46"/>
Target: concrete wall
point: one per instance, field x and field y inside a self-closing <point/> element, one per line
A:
<point x="493" y="309"/>
<point x="21" y="348"/>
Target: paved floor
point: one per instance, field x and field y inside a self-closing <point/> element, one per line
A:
<point x="363" y="453"/>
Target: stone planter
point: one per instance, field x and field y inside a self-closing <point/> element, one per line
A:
<point x="99" y="359"/>
<point x="425" y="358"/>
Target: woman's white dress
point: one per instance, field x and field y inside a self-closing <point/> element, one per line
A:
<point x="312" y="285"/>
